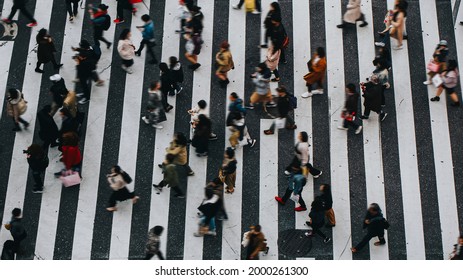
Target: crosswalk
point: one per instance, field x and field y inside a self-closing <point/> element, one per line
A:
<point x="409" y="164"/>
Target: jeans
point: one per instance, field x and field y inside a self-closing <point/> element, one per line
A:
<point x="23" y="10"/>
<point x="240" y="4"/>
<point x="72" y="6"/>
<point x="149" y="47"/>
<point x="289" y="122"/>
<point x="211" y="222"/>
<point x="288" y="194"/>
<point x="367" y="238"/>
<point x="98" y="36"/>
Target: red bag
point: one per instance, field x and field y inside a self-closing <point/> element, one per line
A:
<point x="135" y="1"/>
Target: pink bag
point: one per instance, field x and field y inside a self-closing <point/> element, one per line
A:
<point x="70" y="178"/>
<point x="433" y="66"/>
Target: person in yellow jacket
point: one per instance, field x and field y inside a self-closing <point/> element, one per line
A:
<point x="224" y="63"/>
<point x="178" y="148"/>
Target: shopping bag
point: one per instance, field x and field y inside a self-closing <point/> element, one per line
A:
<point x="437" y="80"/>
<point x="433" y="66"/>
<point x="70" y="178"/>
<point x="250" y="5"/>
<point x="280" y="123"/>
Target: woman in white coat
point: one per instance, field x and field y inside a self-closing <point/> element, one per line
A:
<point x="126" y="50"/>
<point x="353" y="14"/>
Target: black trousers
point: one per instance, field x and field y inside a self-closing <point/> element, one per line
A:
<point x="297" y="163"/>
<point x="368" y="237"/>
<point x="165" y="104"/>
<point x="36" y="174"/>
<point x="85" y="83"/>
<point x="240" y="4"/>
<point x="120" y="195"/>
<point x="53" y="61"/>
<point x="177" y="189"/>
<point x="72" y="6"/>
<point x="149" y="47"/>
<point x="149" y="255"/>
<point x="288" y="194"/>
<point x="23" y="10"/>
<point x="98" y="36"/>
<point x="120" y="9"/>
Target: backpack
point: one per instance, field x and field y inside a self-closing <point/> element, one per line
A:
<point x="107" y="22"/>
<point x="126" y="177"/>
<point x="292" y="101"/>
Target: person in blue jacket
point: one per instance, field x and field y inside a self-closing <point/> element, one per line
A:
<point x="375" y="224"/>
<point x="147" y="32"/>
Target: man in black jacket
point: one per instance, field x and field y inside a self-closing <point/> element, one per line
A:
<point x="373" y="92"/>
<point x="58" y="93"/>
<point x="284" y="107"/>
<point x="16" y="229"/>
<point x="375" y="224"/>
<point x="21" y="5"/>
<point x="85" y="67"/>
<point x="38" y="163"/>
<point x="349" y="112"/>
<point x="48" y="132"/>
<point x="278" y="36"/>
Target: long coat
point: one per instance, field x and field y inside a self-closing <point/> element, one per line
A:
<point x="224" y="61"/>
<point x="317" y="73"/>
<point x="353" y="12"/>
<point x="273" y="58"/>
<point x="45" y="49"/>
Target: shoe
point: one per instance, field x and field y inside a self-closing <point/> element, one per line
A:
<point x="255" y="12"/>
<point x="307" y="94"/>
<point x="236" y="7"/>
<point x="326" y="240"/>
<point x="158" y="189"/>
<point x="280" y="200"/>
<point x="363" y="24"/>
<point x="32" y="24"/>
<point x="271" y="105"/>
<point x="37" y="190"/>
<point x="264" y="46"/>
<point x="427" y="83"/>
<point x="170" y="107"/>
<point x="342" y="128"/>
<point x="383" y="116"/>
<point x="405" y="37"/>
<point x="135" y="199"/>
<point x="191" y="173"/>
<point x="137" y="53"/>
<point x="291" y="127"/>
<point x="212" y="137"/>
<point x="363" y="117"/>
<point x="180" y="31"/>
<point x="359" y="129"/>
<point x="26" y="125"/>
<point x="157" y="126"/>
<point x="99" y="83"/>
<point x="250" y="107"/>
<point x="252" y="142"/>
<point x="461" y="22"/>
<point x="180" y="90"/>
<point x="197" y="234"/>
<point x="179" y="195"/>
<point x="118" y="21"/>
<point x="134" y="11"/>
<point x="398" y="47"/>
<point x="300" y="209"/>
<point x="435" y="98"/>
<point x="71" y="18"/>
<point x="268" y="132"/>
<point x="379" y="243"/>
<point x="287" y="173"/>
<point x="308" y="224"/>
<point x="341" y="25"/>
<point x="111" y="209"/>
<point x="145" y="120"/>
<point x="38" y="70"/>
<point x="57" y="174"/>
<point x="83" y="101"/>
<point x="317" y="176"/>
<point x="80" y="94"/>
<point x="127" y="69"/>
<point x="6" y="20"/>
<point x="265" y="253"/>
<point x="308" y="234"/>
<point x="195" y="66"/>
<point x="317" y="91"/>
<point x="380" y="44"/>
<point x="212" y="233"/>
<point x="108" y="45"/>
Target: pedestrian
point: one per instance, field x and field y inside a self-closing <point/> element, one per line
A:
<point x="316" y="75"/>
<point x="395" y="26"/>
<point x="121" y="6"/>
<point x="217" y="186"/>
<point x="147" y="31"/>
<point x="45" y="50"/>
<point x="16" y="228"/>
<point x="170" y="177"/>
<point x="93" y="54"/>
<point x="272" y="60"/>
<point x="449" y="83"/>
<point x="72" y="7"/>
<point x="207" y="211"/>
<point x="21" y="6"/>
<point x="279" y="37"/>
<point x="48" y="130"/>
<point x="373" y="94"/>
<point x="201" y="135"/>
<point x="296" y="181"/>
<point x="227" y="173"/>
<point x="262" y="93"/>
<point x="68" y="123"/>
<point x="16" y="106"/>
<point x="327" y="200"/>
<point x="126" y="50"/>
<point x="154" y="107"/>
<point x="255" y="4"/>
<point x="240" y="134"/>
<point x="195" y="21"/>
<point x="85" y="67"/>
<point x="154" y="243"/>
<point x="457" y="253"/>
<point x="71" y="155"/>
<point x="166" y="85"/>
<point x="176" y="71"/>
<point x="193" y="49"/>
<point x="384" y="56"/>
<point x="317" y="220"/>
<point x="235" y="106"/>
<point x="38" y="162"/>
<point x="284" y="108"/>
<point x="200" y="108"/>
<point x="183" y="15"/>
<point x="224" y="63"/>
<point x="178" y="148"/>
<point x="256" y="243"/>
<point x="274" y="10"/>
<point x="375" y="224"/>
<point x="437" y="64"/>
<point x="101" y="22"/>
<point x="353" y="14"/>
<point x="301" y="158"/>
<point x="349" y="112"/>
<point x="58" y="92"/>
<point x="118" y="180"/>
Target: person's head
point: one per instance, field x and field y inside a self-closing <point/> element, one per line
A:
<point x="233" y="96"/>
<point x="170" y="158"/>
<point x="42" y="32"/>
<point x="209" y="193"/>
<point x="16" y="213"/>
<point x="145" y="18"/>
<point x="155" y="85"/>
<point x="303" y="136"/>
<point x="350" y="88"/>
<point x="274" y="6"/>
<point x="202" y="104"/>
<point x="84" y="44"/>
<point x="460" y="240"/>
<point x="13" y="93"/>
<point x="374" y="208"/>
<point x="229" y="153"/>
<point x="257" y="228"/>
<point x="116" y="169"/>
<point x="173" y="60"/>
<point x="180" y="139"/>
<point x="443" y="43"/>
<point x="261" y="67"/>
<point x="163" y="67"/>
<point x="281" y="90"/>
<point x="34" y="151"/>
<point x="103" y="7"/>
<point x="158" y="230"/>
<point x="325" y="188"/>
<point x="321" y="52"/>
<point x="401" y="6"/>
<point x="225" y="45"/>
<point x="452" y="65"/>
<point x="70" y="139"/>
<point x="125" y="34"/>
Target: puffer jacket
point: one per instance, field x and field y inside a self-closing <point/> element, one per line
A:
<point x="126" y="49"/>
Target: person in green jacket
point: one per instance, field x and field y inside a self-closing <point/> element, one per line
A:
<point x="170" y="177"/>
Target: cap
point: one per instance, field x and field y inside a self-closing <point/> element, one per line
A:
<point x="55" y="78"/>
<point x="443" y="42"/>
<point x="103" y="7"/>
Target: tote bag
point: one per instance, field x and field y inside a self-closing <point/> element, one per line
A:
<point x="280" y="123"/>
<point x="70" y="178"/>
<point x="437" y="80"/>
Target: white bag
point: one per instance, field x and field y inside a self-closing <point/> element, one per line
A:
<point x="245" y="241"/>
<point x="437" y="80"/>
<point x="295" y="197"/>
<point x="280" y="123"/>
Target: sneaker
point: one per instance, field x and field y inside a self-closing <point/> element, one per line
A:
<point x="342" y="128"/>
<point x="99" y="83"/>
<point x="159" y="189"/>
<point x="212" y="233"/>
<point x="398" y="47"/>
<point x="127" y="69"/>
<point x="38" y="70"/>
<point x="280" y="200"/>
<point x="252" y="142"/>
<point x="268" y="132"/>
<point x="287" y="173"/>
<point x="379" y="243"/>
<point x="191" y="173"/>
<point x="32" y="24"/>
<point x="307" y="94"/>
<point x="308" y="234"/>
<point x="271" y="105"/>
<point x="212" y="137"/>
<point x="250" y="107"/>
<point x="236" y="7"/>
<point x="359" y="129"/>
<point x="135" y="199"/>
<point x="383" y="116"/>
<point x="326" y="240"/>
<point x="145" y="120"/>
<point x="255" y="12"/>
<point x="157" y="126"/>
<point x="363" y="117"/>
<point x="318" y="175"/>
<point x="37" y="190"/>
<point x="117" y="21"/>
<point x="363" y="24"/>
<point x="6" y="20"/>
<point x="134" y="11"/>
<point x="266" y="251"/>
<point x="71" y="19"/>
<point x="80" y="94"/>
<point x="427" y="83"/>
<point x="108" y="45"/>
<point x="84" y="101"/>
<point x="317" y="91"/>
<point x="300" y="209"/>
<point x="179" y="195"/>
<point x="75" y="81"/>
<point x="197" y="234"/>
<point x="180" y="90"/>
<point x="170" y="107"/>
<point x="111" y="209"/>
<point x="380" y="44"/>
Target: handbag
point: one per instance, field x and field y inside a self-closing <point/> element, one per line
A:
<point x="280" y="123"/>
<point x="70" y="178"/>
<point x="433" y="66"/>
<point x="221" y="175"/>
<point x="22" y="106"/>
<point x="437" y="80"/>
<point x="7" y="226"/>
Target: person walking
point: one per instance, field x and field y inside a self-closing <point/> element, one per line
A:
<point x="327" y="200"/>
<point x="16" y="228"/>
<point x="353" y="14"/>
<point x="126" y="50"/>
<point x="279" y="37"/>
<point x="153" y="245"/>
<point x="16" y="106"/>
<point x="85" y="67"/>
<point x="272" y="60"/>
<point x="58" y="92"/>
<point x="316" y="75"/>
<point x="373" y="93"/>
<point x="217" y="186"/>
<point x="297" y="181"/>
<point x="240" y="133"/>
<point x="21" y="6"/>
<point x="207" y="211"/>
<point x="224" y="63"/>
<point x="170" y="177"/>
<point x="93" y="54"/>
<point x="301" y="158"/>
<point x="183" y="15"/>
<point x="38" y="162"/>
<point x="235" y="106"/>
<point x="284" y="108"/>
<point x="437" y="64"/>
<point x="201" y="135"/>
<point x="121" y="6"/>
<point x="256" y="243"/>
<point x="274" y="11"/>
<point x="101" y="22"/>
<point x="449" y="83"/>
<point x="178" y="148"/>
<point x="194" y="23"/>
<point x="147" y="31"/>
<point x="317" y="220"/>
<point x="118" y="180"/>
<point x="70" y="103"/>
<point x="166" y="85"/>
<point x="349" y="112"/>
<point x="72" y="6"/>
<point x="193" y="49"/>
<point x="257" y="7"/>
<point x="176" y="71"/>
<point x="457" y="253"/>
<point x="395" y="26"/>
<point x="375" y="224"/>
<point x="154" y="107"/>
<point x="227" y="172"/>
<point x="71" y="155"/>
<point x="45" y="50"/>
<point x="262" y="93"/>
<point x="200" y="108"/>
<point x="48" y="130"/>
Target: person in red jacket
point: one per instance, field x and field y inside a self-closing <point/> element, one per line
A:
<point x="71" y="158"/>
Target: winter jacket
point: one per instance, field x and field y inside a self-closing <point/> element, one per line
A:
<point x="209" y="208"/>
<point x="116" y="181"/>
<point x="383" y="76"/>
<point x="196" y="23"/>
<point x="327" y="199"/>
<point x="373" y="95"/>
<point x="17" y="229"/>
<point x="71" y="156"/>
<point x="48" y="128"/>
<point x="39" y="163"/>
<point x="229" y="166"/>
<point x="317" y="217"/>
<point x="179" y="151"/>
<point x="278" y="36"/>
<point x="166" y="82"/>
<point x="273" y="58"/>
<point x="45" y="49"/>
<point x="126" y="49"/>
<point x="148" y="31"/>
<point x="69" y="124"/>
<point x="351" y="104"/>
<point x="85" y="68"/>
<point x="154" y="99"/>
<point x="176" y="72"/>
<point x="283" y="106"/>
<point x="268" y="19"/>
<point x="317" y="70"/>
<point x="170" y="175"/>
<point x="59" y="91"/>
<point x="376" y="225"/>
<point x="237" y="106"/>
<point x="256" y="244"/>
<point x="224" y="61"/>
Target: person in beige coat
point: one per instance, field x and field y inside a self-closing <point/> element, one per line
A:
<point x="16" y="106"/>
<point x="353" y="14"/>
<point x="70" y="103"/>
<point x="224" y="62"/>
<point x="126" y="50"/>
<point x="178" y="148"/>
<point x="272" y="61"/>
<point x="118" y="181"/>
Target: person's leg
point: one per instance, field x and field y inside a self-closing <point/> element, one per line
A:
<point x="309" y="87"/>
<point x="294" y="163"/>
<point x="258" y="7"/>
<point x="177" y="190"/>
<point x="366" y="112"/>
<point x="75" y="8"/>
<point x="381" y="241"/>
<point x="364" y="241"/>
<point x="69" y="7"/>
<point x="37" y="179"/>
<point x="301" y="200"/>
<point x="319" y="232"/>
<point x="120" y="11"/>
<point x="454" y="98"/>
<point x="142" y="46"/>
<point x="24" y="122"/>
<point x="290" y="121"/>
<point x="276" y="73"/>
<point x="85" y="87"/>
<point x="148" y="256"/>
<point x="26" y="13"/>
<point x="113" y="199"/>
<point x="283" y="55"/>
<point x="240" y="4"/>
<point x="37" y="67"/>
<point x="286" y="195"/>
<point x="212" y="224"/>
<point x="14" y="9"/>
<point x="272" y="127"/>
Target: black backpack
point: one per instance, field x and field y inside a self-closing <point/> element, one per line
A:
<point x="107" y="22"/>
<point x="126" y="177"/>
<point x="292" y="101"/>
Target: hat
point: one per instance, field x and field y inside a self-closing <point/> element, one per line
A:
<point x="281" y="89"/>
<point x="55" y="78"/>
<point x="443" y="43"/>
<point x="103" y="7"/>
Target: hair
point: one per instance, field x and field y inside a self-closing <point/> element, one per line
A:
<point x="16" y="212"/>
<point x="35" y="151"/>
<point x="276" y="6"/>
<point x="202" y="104"/>
<point x="70" y="139"/>
<point x="117" y="169"/>
<point x="145" y="17"/>
<point x="351" y="87"/>
<point x="262" y="66"/>
<point x="181" y="139"/>
<point x="84" y="44"/>
<point x="225" y="45"/>
<point x="230" y="152"/>
<point x="327" y="189"/>
<point x="13" y="93"/>
<point x="304" y="136"/>
<point x="170" y="158"/>
<point x="234" y="95"/>
<point x="173" y="60"/>
<point x="257" y="228"/>
<point x="452" y="65"/>
<point x="42" y="32"/>
<point x="154" y="84"/>
<point x="158" y="230"/>
<point x="124" y="34"/>
<point x="163" y="67"/>
<point x="321" y="52"/>
<point x="209" y="193"/>
<point x="375" y="207"/>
